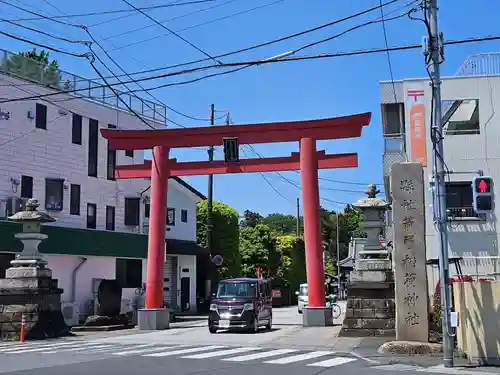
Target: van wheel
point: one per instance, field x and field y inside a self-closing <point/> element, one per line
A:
<point x="269" y="325"/>
<point x="212" y="329"/>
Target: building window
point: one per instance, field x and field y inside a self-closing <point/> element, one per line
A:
<point x="111" y="164"/>
<point x="93" y="147"/>
<point x="26" y="187"/>
<point x="459" y="200"/>
<point x="147" y="209"/>
<point x="74" y="200"/>
<point x="110" y="218"/>
<point x="76" y="130"/>
<point x="128" y="272"/>
<point x="129" y="153"/>
<point x="91" y="216"/>
<point x="184" y="216"/>
<point x="41" y="116"/>
<point x="54" y="188"/>
<point x="132" y="211"/>
<point x="460" y="117"/>
<point x="170" y="216"/>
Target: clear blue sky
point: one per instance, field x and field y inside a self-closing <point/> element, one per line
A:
<point x="275" y="92"/>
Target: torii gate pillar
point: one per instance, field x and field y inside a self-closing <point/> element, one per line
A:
<point x="316" y="313"/>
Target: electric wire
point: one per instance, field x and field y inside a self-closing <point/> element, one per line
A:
<point x="165" y="21"/>
<point x="283" y="60"/>
<point x="201" y="23"/>
<point x="388" y="53"/>
<point x="172" y="32"/>
<point x="90" y="14"/>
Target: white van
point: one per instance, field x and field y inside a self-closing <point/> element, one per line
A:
<point x="303" y="297"/>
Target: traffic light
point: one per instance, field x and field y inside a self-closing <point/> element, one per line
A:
<point x="231" y="150"/>
<point x="482" y="194"/>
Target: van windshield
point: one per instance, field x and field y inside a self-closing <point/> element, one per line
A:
<point x="232" y="290"/>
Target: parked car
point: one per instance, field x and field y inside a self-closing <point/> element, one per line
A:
<point x="241" y="303"/>
<point x="302" y="298"/>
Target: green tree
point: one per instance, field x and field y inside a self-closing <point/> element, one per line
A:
<point x="251" y="218"/>
<point x="35" y="66"/>
<point x="225" y="236"/>
<point x="258" y="249"/>
<point x="353" y="222"/>
<point x="298" y="264"/>
<point x="283" y="224"/>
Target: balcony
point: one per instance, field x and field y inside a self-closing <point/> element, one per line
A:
<point x="462" y="213"/>
<point x="31" y="70"/>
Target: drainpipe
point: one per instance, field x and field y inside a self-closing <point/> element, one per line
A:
<point x="73" y="278"/>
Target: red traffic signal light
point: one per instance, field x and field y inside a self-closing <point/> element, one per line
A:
<point x="482" y="185"/>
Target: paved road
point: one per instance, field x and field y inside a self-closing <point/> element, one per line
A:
<point x="84" y="357"/>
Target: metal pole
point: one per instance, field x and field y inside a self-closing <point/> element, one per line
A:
<point x="210" y="189"/>
<point x="338" y="254"/>
<point x="298" y="218"/>
<point x="435" y="51"/>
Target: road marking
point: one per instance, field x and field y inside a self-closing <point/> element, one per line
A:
<point x="332" y="362"/>
<point x="183" y="351"/>
<point x="147" y="348"/>
<point x="220" y="353"/>
<point x="251" y="357"/>
<point x="32" y="346"/>
<point x="75" y="349"/>
<point x="41" y="349"/>
<point x="299" y="357"/>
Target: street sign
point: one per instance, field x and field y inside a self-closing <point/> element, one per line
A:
<point x="482" y="194"/>
<point x="217" y="259"/>
<point x="231" y="150"/>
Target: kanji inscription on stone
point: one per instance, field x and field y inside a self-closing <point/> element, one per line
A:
<point x="409" y="255"/>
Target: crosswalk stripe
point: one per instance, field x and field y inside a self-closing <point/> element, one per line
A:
<point x="32" y="346"/>
<point x="75" y="349"/>
<point x="147" y="348"/>
<point x="298" y="357"/>
<point x="332" y="362"/>
<point x="253" y="356"/>
<point x="183" y="351"/>
<point x="220" y="353"/>
<point x="41" y="349"/>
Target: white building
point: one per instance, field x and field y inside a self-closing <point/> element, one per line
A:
<point x="471" y="147"/>
<point x="51" y="149"/>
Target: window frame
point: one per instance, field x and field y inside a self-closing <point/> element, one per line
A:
<point x="170" y="223"/>
<point x="93" y="149"/>
<point x="77" y="129"/>
<point x="129" y="153"/>
<point x="60" y="187"/>
<point x="126" y="217"/>
<point x="26" y="185"/>
<point x="110" y="224"/>
<point x="92" y="224"/>
<point x="122" y="275"/>
<point x="184" y="215"/>
<point x="75" y="207"/>
<point x="41" y="112"/>
<point x="463" y="208"/>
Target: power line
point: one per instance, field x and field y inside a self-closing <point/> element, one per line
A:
<point x="115" y="11"/>
<point x="165" y="21"/>
<point x="202" y="23"/>
<point x="173" y="32"/>
<point x="265" y="62"/>
<point x="388" y="53"/>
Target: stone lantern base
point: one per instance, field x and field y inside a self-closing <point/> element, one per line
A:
<point x="29" y="290"/>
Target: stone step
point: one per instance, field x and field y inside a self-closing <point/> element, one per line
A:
<point x="350" y="332"/>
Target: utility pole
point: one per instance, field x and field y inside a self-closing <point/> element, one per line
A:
<point x="210" y="189"/>
<point x="435" y="49"/>
<point x="298" y="218"/>
<point x="338" y="254"/>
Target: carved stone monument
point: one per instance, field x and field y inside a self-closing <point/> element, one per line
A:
<point x="28" y="288"/>
<point x="370" y="291"/>
<point x="409" y="257"/>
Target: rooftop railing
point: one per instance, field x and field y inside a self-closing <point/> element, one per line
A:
<point x="28" y="69"/>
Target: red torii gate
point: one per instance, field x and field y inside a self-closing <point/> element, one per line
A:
<point x="308" y="160"/>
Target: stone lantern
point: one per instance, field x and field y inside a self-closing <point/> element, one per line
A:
<point x="28" y="288"/>
<point x="370" y="292"/>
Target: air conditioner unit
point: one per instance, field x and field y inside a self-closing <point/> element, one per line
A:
<point x="71" y="313"/>
<point x="15" y="204"/>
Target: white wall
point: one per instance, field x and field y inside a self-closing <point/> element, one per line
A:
<point x="41" y="154"/>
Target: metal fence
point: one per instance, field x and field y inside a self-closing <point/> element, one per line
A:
<point x="481" y="267"/>
<point x="48" y="76"/>
<point x="482" y="64"/>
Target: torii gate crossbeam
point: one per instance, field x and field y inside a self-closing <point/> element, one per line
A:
<point x="308" y="160"/>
